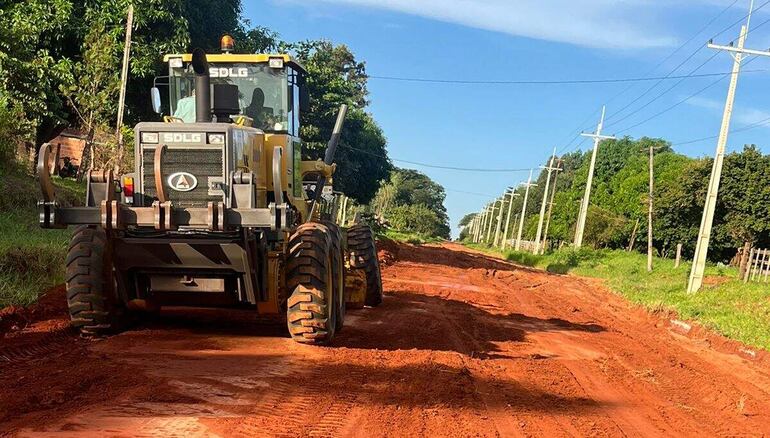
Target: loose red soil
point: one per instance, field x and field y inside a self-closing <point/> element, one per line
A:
<point x="463" y="345"/>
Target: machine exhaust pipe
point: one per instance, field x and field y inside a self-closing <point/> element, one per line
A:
<point x="202" y="86"/>
<point x="331" y="149"/>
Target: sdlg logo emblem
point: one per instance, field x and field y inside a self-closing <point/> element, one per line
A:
<point x="182" y="181"/>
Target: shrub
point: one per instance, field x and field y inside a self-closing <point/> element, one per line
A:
<point x="522" y="258"/>
<point x="415" y="218"/>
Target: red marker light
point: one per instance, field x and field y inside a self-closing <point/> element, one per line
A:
<point x="128" y="188"/>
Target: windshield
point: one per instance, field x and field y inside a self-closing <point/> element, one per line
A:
<point x="262" y="92"/>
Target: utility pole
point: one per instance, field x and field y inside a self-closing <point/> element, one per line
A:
<point x="490" y="220"/>
<point x="649" y="210"/>
<point x="499" y="219"/>
<point x="528" y="184"/>
<point x="480" y="225"/>
<point x="704" y="234"/>
<point x="581" y="224"/>
<point x="539" y="234"/>
<point x="508" y="217"/>
<point x="550" y="208"/>
<point x="123" y="82"/>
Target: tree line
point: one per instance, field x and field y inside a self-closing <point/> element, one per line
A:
<point x="60" y="68"/>
<point x="619" y="198"/>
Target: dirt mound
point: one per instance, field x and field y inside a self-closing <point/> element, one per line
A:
<point x="51" y="305"/>
<point x="387" y="251"/>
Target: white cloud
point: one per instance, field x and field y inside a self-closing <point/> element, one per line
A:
<point x="742" y="114"/>
<point x="613" y="24"/>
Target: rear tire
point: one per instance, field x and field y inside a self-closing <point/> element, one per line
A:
<point x="363" y="255"/>
<point x="311" y="308"/>
<point x="92" y="292"/>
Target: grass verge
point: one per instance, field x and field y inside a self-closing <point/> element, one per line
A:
<point x="31" y="258"/>
<point x="725" y="304"/>
<point x="407" y="237"/>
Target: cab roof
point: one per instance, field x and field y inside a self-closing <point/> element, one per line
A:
<point x="256" y="58"/>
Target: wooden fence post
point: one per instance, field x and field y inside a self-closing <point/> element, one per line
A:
<point x="743" y="261"/>
<point x="678" y="255"/>
<point x="755" y="265"/>
<point x="748" y="266"/>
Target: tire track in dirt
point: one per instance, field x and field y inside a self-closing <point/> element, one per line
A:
<point x="463" y="345"/>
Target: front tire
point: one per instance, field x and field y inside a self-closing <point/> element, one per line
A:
<point x="338" y="268"/>
<point x="311" y="308"/>
<point x="92" y="291"/>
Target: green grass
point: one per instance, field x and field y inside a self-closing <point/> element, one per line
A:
<point x="31" y="258"/>
<point x="407" y="237"/>
<point x="725" y="304"/>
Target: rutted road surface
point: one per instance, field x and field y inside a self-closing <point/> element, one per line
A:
<point x="463" y="345"/>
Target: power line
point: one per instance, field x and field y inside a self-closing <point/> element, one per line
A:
<point x="740" y="20"/>
<point x="546" y="82"/>
<point x="670" y="55"/>
<point x="682" y="46"/>
<point x="485" y="195"/>
<point x="636" y="111"/>
<point x="435" y="166"/>
<point x="658" y="114"/>
<point x="685" y="61"/>
<point x="754" y="125"/>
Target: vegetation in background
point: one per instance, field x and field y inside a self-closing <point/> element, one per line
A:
<point x="31" y="259"/>
<point x="336" y="77"/>
<point x="619" y="199"/>
<point x="411" y="202"/>
<point x="727" y="305"/>
<point x="60" y="63"/>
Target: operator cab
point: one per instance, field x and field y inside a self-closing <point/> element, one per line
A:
<point x="271" y="88"/>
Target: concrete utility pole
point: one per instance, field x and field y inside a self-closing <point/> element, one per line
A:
<point x="490" y="220"/>
<point x="528" y="184"/>
<point x="539" y="234"/>
<point x="649" y="211"/>
<point x="123" y="82"/>
<point x="704" y="235"/>
<point x="499" y="219"/>
<point x="508" y="217"/>
<point x="581" y="224"/>
<point x="480" y="226"/>
<point x="550" y="208"/>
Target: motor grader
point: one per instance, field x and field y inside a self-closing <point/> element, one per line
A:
<point x="220" y="211"/>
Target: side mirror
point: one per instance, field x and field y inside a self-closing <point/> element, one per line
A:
<point x="155" y="97"/>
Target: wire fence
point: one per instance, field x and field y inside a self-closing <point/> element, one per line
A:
<point x="758" y="266"/>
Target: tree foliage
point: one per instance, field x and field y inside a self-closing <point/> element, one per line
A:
<point x="411" y="201"/>
<point x="619" y="198"/>
<point x="336" y="77"/>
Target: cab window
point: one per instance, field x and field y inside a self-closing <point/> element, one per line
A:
<point x="293" y="113"/>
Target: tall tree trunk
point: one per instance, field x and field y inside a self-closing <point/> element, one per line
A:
<point x="744" y="259"/>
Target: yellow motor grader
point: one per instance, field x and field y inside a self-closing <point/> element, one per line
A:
<point x="220" y="211"/>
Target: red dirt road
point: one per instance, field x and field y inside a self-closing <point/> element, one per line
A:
<point x="463" y="345"/>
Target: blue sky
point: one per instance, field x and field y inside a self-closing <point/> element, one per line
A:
<point x="517" y="126"/>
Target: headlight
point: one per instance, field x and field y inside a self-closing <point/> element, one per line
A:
<point x="149" y="137"/>
<point x="216" y="139"/>
<point x="276" y="62"/>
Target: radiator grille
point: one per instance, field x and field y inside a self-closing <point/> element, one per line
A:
<point x="203" y="163"/>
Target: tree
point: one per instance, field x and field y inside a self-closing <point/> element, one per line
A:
<point x="410" y="188"/>
<point x="416" y="218"/>
<point x="336" y="77"/>
<point x="464" y="222"/>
